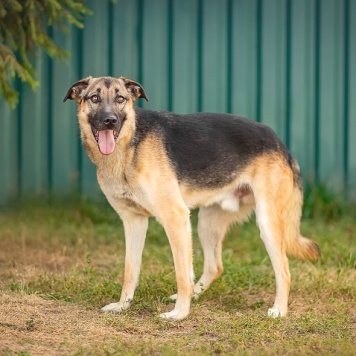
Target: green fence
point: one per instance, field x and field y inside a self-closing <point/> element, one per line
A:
<point x="288" y="63"/>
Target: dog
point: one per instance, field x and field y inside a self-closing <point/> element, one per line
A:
<point x="161" y="164"/>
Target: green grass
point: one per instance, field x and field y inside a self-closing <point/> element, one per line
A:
<point x="61" y="260"/>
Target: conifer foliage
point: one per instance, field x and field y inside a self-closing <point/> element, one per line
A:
<point x="24" y="26"/>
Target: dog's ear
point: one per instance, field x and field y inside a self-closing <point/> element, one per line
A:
<point x="136" y="89"/>
<point x="76" y="90"/>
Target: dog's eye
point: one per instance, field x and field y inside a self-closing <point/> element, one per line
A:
<point x="120" y="99"/>
<point x="94" y="98"/>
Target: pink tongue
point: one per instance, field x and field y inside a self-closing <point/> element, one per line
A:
<point x="106" y="142"/>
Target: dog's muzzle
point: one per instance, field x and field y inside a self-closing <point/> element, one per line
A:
<point x="107" y="133"/>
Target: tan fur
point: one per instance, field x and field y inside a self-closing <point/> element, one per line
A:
<point x="143" y="183"/>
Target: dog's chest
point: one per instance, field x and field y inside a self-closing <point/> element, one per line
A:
<point x="115" y="186"/>
<point x="120" y="195"/>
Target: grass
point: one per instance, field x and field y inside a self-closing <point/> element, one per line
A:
<point x="60" y="261"/>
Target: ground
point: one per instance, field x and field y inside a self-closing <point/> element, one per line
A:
<point x="61" y="261"/>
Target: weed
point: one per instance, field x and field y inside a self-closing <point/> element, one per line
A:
<point x="30" y="324"/>
<point x="321" y="203"/>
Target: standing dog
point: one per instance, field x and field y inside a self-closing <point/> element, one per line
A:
<point x="156" y="163"/>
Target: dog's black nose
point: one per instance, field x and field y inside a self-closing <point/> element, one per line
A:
<point x="110" y="120"/>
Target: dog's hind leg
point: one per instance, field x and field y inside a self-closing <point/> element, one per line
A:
<point x="213" y="224"/>
<point x="273" y="193"/>
<point x="272" y="231"/>
<point x="135" y="232"/>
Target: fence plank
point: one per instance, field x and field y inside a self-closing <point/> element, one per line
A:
<point x="214" y="56"/>
<point x="64" y="128"/>
<point x="273" y="66"/>
<point x="244" y="58"/>
<point x="154" y="60"/>
<point x="351" y="101"/>
<point x="331" y="122"/>
<point x="124" y="44"/>
<point x="34" y="133"/>
<point x="8" y="153"/>
<point x="184" y="80"/>
<point x="302" y="92"/>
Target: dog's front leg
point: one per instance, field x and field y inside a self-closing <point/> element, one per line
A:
<point x="135" y="233"/>
<point x="176" y="223"/>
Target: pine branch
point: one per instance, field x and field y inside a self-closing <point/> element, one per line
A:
<point x="24" y="29"/>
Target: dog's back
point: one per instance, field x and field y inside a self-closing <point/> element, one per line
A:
<point x="207" y="149"/>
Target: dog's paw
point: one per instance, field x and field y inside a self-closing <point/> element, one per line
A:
<point x="275" y="313"/>
<point x="115" y="308"/>
<point x="174" y="315"/>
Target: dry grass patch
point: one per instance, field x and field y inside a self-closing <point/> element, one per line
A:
<point x="33" y="324"/>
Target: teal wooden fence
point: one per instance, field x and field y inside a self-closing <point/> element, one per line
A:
<point x="288" y="63"/>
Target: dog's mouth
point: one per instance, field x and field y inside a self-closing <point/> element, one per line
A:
<point x="106" y="140"/>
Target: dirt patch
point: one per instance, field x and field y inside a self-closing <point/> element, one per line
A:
<point x="39" y="326"/>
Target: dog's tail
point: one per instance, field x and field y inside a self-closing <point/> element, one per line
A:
<point x="297" y="245"/>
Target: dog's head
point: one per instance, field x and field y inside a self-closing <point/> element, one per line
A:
<point x="105" y="104"/>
